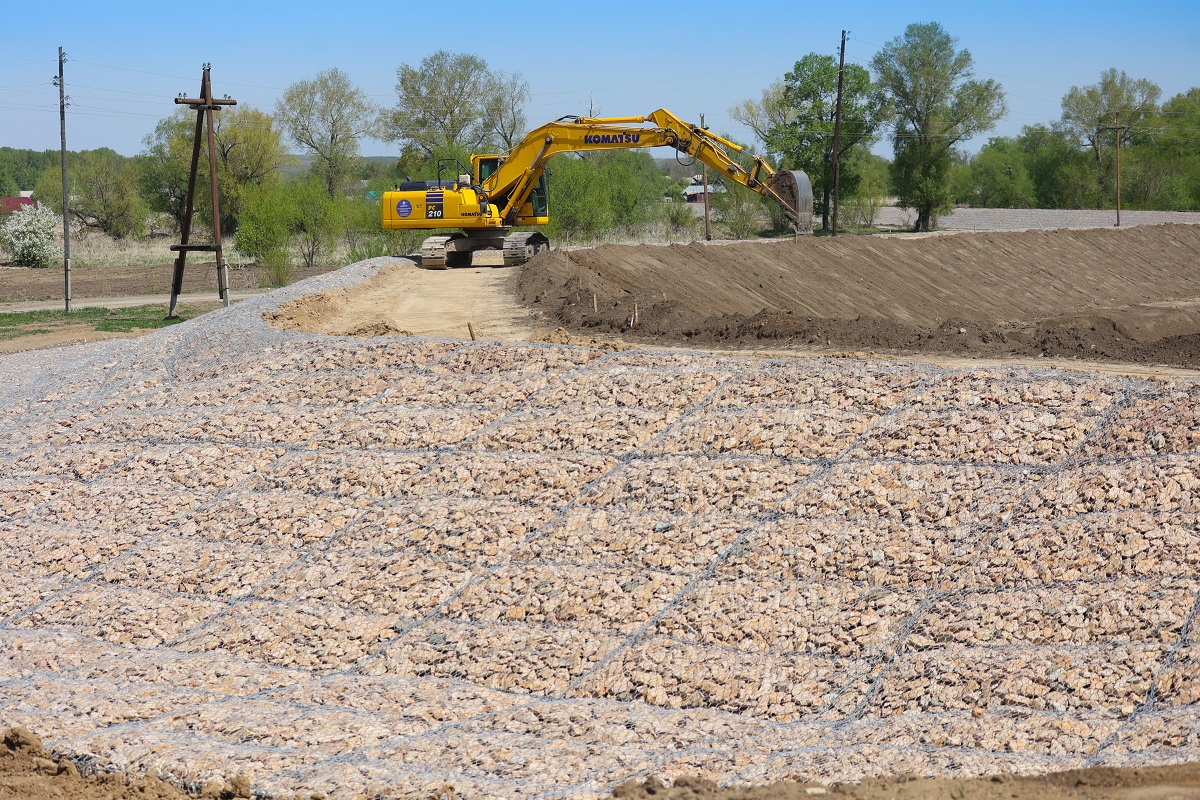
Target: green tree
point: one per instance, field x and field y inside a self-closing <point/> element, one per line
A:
<point x="862" y="207"/>
<point x="165" y="163"/>
<point x="998" y="176"/>
<point x="1052" y="161"/>
<point x="25" y="167"/>
<point x="8" y="184"/>
<point x="1116" y="99"/>
<point x="1172" y="150"/>
<point x="770" y="112"/>
<point x="328" y="117"/>
<point x="266" y="224"/>
<point x="316" y="219"/>
<point x="249" y="150"/>
<point x="249" y="153"/>
<point x="1180" y="125"/>
<point x="104" y="193"/>
<point x="454" y="101"/>
<point x="937" y="106"/>
<point x="636" y="185"/>
<point x="579" y="199"/>
<point x="809" y="103"/>
<point x="506" y="108"/>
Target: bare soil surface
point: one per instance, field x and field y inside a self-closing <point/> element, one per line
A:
<point x="404" y="299"/>
<point x="27" y="772"/>
<point x="24" y="285"/>
<point x="1130" y="295"/>
<point x="1150" y="783"/>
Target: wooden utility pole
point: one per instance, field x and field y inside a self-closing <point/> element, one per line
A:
<point x="62" y="129"/>
<point x="1118" y="127"/>
<point x="837" y="132"/>
<point x="707" y="218"/>
<point x="204" y="105"/>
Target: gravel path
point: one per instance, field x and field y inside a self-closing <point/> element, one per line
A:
<point x="378" y="566"/>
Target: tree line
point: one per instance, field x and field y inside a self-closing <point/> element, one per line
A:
<point x="921" y="93"/>
<point x="449" y="105"/>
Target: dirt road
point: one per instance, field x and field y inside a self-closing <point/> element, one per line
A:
<point x="407" y="299"/>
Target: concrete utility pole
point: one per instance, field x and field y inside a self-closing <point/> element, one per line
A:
<point x="837" y="132"/>
<point x="707" y="218"/>
<point x="62" y="124"/>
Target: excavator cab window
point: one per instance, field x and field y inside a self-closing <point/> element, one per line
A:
<point x="540" y="198"/>
<point x="487" y="167"/>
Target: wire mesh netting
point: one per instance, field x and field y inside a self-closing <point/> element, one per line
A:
<point x="383" y="565"/>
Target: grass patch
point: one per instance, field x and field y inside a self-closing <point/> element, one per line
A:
<point x="106" y="320"/>
<point x="13" y="333"/>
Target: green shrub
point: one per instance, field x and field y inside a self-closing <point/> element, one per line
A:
<point x="680" y="220"/>
<point x="277" y="267"/>
<point x="266" y="221"/>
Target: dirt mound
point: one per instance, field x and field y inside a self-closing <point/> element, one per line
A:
<point x="563" y="336"/>
<point x="1130" y="295"/>
<point x="30" y="773"/>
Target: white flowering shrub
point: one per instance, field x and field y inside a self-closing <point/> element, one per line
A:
<point x="28" y="234"/>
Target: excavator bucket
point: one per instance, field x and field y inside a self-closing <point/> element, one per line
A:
<point x="794" y="189"/>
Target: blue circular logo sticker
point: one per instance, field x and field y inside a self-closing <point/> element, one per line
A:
<point x="404" y="208"/>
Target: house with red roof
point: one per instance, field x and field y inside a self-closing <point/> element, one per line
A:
<point x="10" y="204"/>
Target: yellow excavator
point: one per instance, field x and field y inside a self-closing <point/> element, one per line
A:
<point x="500" y="192"/>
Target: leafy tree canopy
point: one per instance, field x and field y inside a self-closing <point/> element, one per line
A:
<point x="938" y="104"/>
<point x="249" y="150"/>
<point x="808" y="103"/>
<point x="104" y="192"/>
<point x="328" y="116"/>
<point x="454" y="100"/>
<point x="1116" y="99"/>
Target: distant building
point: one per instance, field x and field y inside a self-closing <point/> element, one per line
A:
<point x="694" y="192"/>
<point x="10" y="204"/>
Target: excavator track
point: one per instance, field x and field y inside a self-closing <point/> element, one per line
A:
<point x="522" y="246"/>
<point x="437" y="252"/>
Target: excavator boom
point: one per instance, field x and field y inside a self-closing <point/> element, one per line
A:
<point x="523" y="165"/>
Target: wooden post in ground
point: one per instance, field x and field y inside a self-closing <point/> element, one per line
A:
<point x="837" y="133"/>
<point x="203" y="105"/>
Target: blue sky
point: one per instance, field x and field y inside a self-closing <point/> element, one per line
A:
<point x="127" y="61"/>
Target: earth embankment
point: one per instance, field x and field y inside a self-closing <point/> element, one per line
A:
<point x="1130" y="295"/>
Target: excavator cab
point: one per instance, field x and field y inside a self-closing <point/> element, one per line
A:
<point x="536" y="209"/>
<point x="541" y="197"/>
<point x="485" y="167"/>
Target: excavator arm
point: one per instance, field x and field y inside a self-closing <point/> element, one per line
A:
<point x="520" y="169"/>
